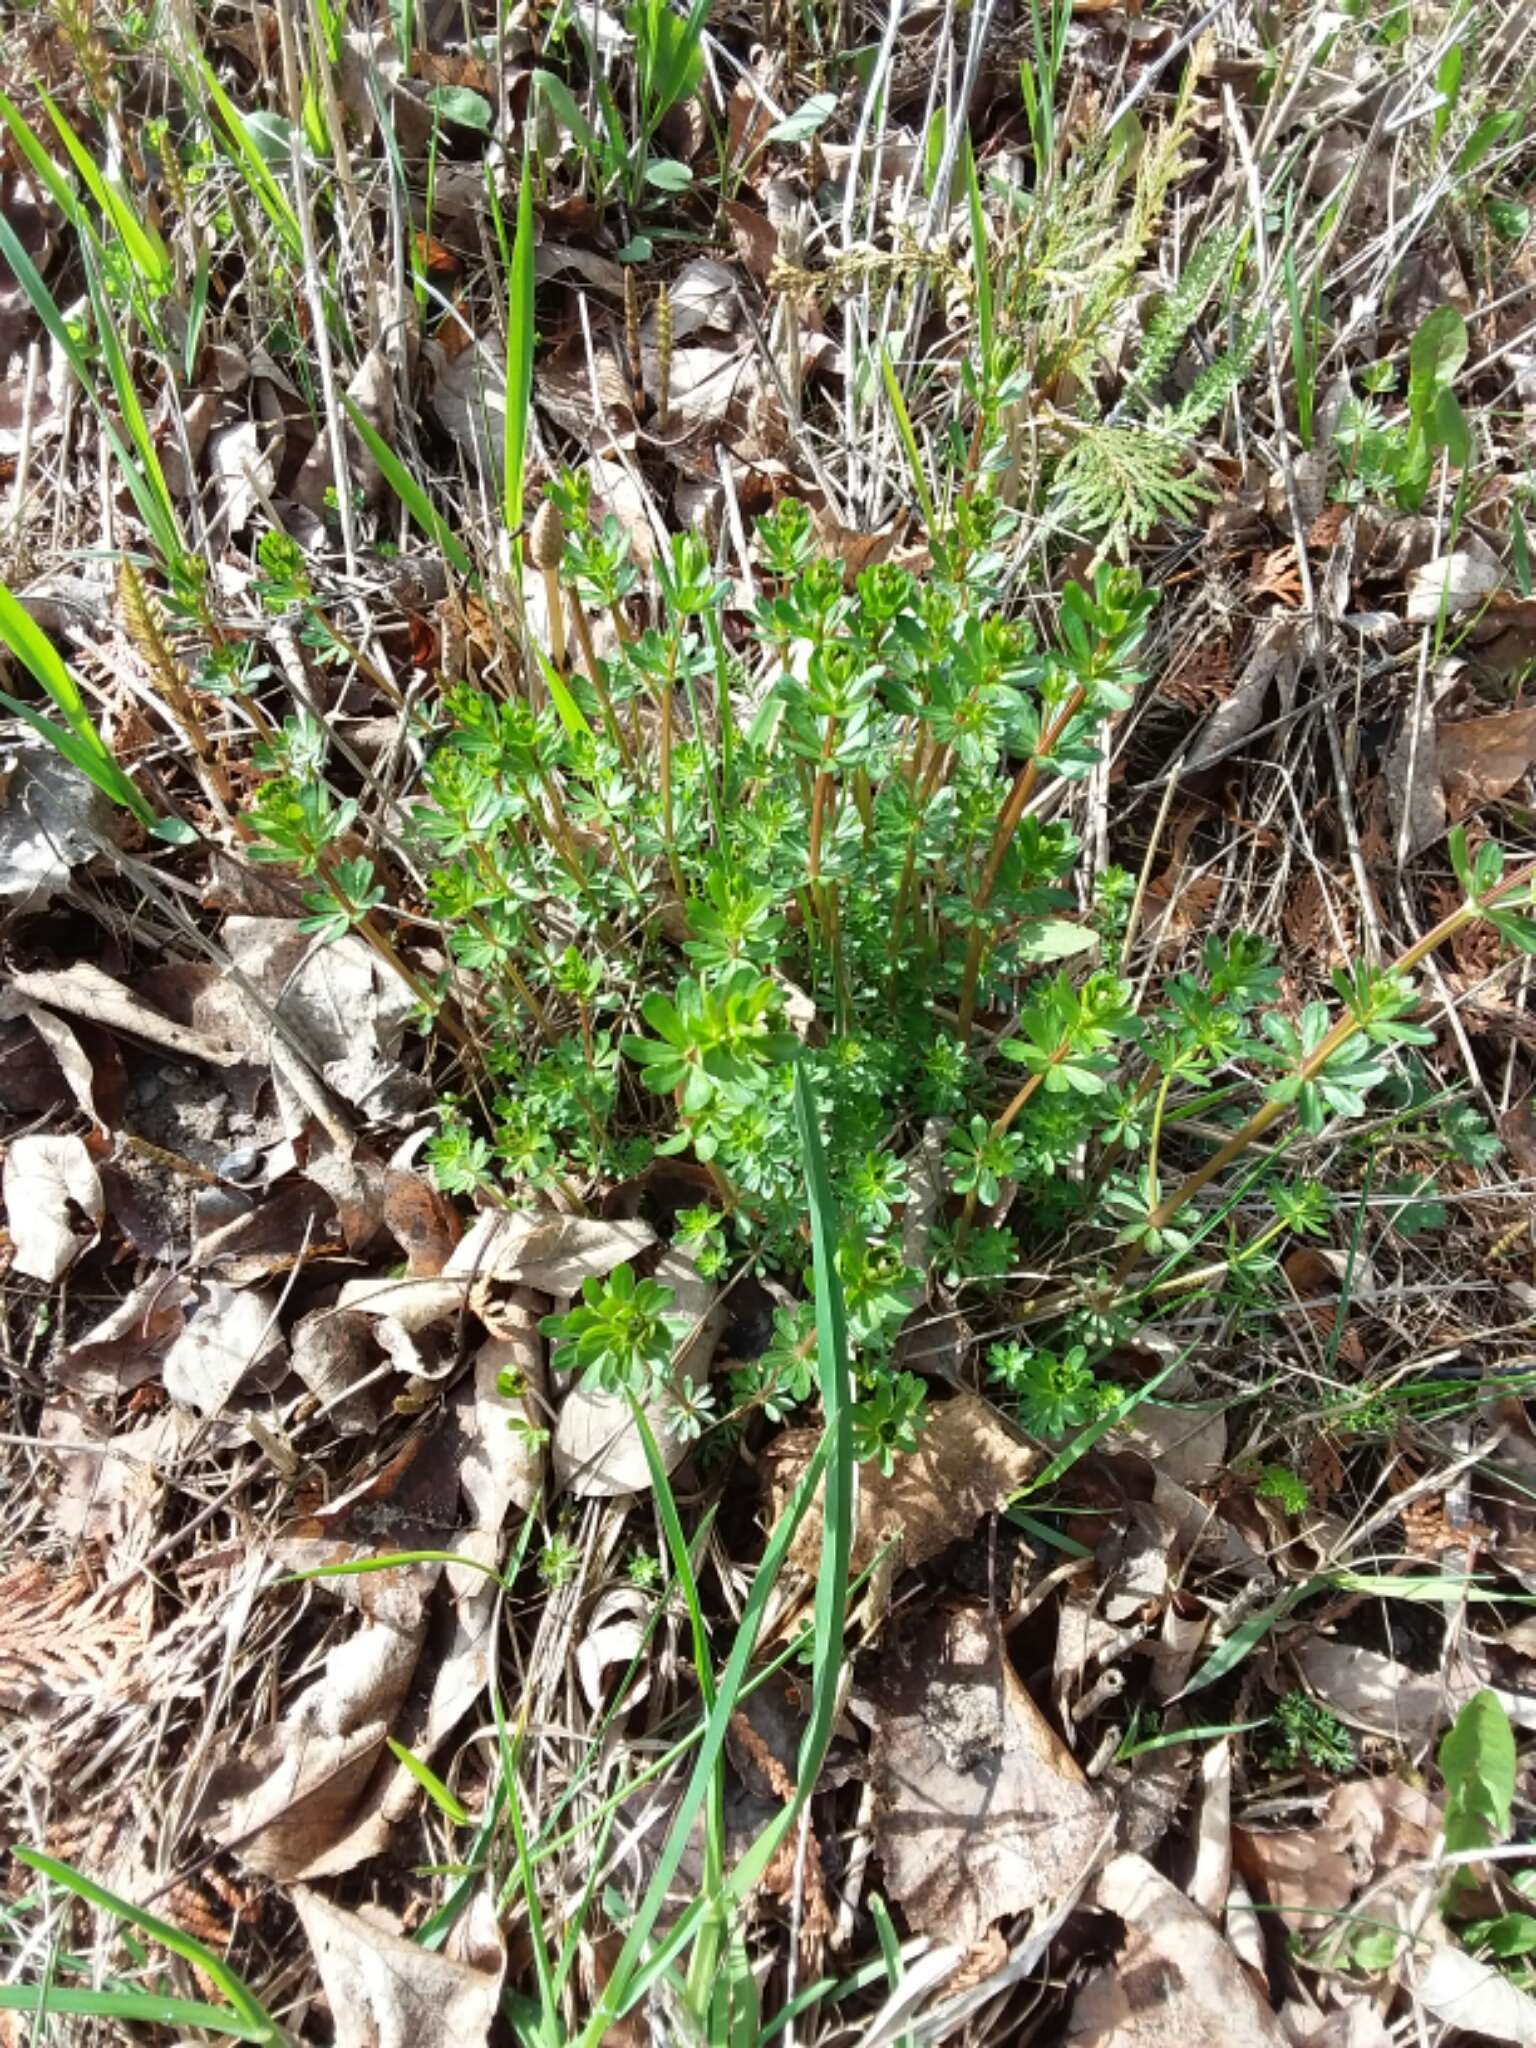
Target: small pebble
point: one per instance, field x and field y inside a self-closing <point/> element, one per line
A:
<point x="242" y="1165"/>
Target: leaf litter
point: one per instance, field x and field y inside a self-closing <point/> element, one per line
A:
<point x="324" y="1360"/>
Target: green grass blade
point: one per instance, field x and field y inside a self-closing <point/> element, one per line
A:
<point x="152" y="494"/>
<point x="46" y="308"/>
<point x="270" y="196"/>
<point x="355" y="1567"/>
<point x="703" y="1961"/>
<point x="32" y="647"/>
<point x="445" y="1801"/>
<point x="520" y="340"/>
<point x="979" y="258"/>
<point x="834" y="1457"/>
<point x="140" y="2008"/>
<point x="247" y="2006"/>
<point x="43" y="167"/>
<point x="908" y="441"/>
<point x="149" y="256"/>
<point x="411" y="494"/>
<point x="627" y="1981"/>
<point x="97" y="768"/>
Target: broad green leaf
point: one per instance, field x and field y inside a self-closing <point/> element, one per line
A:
<point x="1435" y="354"/>
<point x="668" y="175"/>
<point x="1487" y="135"/>
<point x="1056" y="939"/>
<point x="803" y="123"/>
<point x="462" y="106"/>
<point x="1451" y="429"/>
<point x="1477" y="1761"/>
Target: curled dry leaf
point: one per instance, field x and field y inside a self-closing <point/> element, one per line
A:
<point x="598" y="1451"/>
<point x="1202" y="1993"/>
<point x="372" y="391"/>
<point x="1481" y="759"/>
<point x="339" y="1004"/>
<point x="1189" y="1445"/>
<point x="332" y="1350"/>
<point x="1450" y="584"/>
<point x="980" y="1810"/>
<point x="53" y="1203"/>
<point x="423" y="1224"/>
<point x="245" y="1241"/>
<point x="501" y="1469"/>
<point x="227" y="1334"/>
<point x="1473" y="1997"/>
<point x="554" y="1254"/>
<point x="1373" y="1692"/>
<point x="124" y="1349"/>
<point x="52" y="821"/>
<point x="1274" y="664"/>
<point x="614" y="1637"/>
<point x="966" y="1465"/>
<point x="241" y="472"/>
<point x="302" y="1801"/>
<point x="1370" y="1828"/>
<point x="388" y="1993"/>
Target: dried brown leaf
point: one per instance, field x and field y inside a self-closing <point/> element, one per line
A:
<point x="966" y="1465"/>
<point x="332" y="1350"/>
<point x="227" y="1333"/>
<point x="1174" y="1980"/>
<point x="302" y="1802"/>
<point x="53" y="1203"/>
<point x="52" y="820"/>
<point x="385" y="1992"/>
<point x="84" y="991"/>
<point x="1373" y="1692"/>
<point x="980" y="1809"/>
<point x="1481" y="759"/>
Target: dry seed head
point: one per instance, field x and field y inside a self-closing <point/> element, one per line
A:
<point x="546" y="537"/>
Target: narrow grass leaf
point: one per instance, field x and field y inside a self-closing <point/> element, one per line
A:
<point x="43" y="303"/>
<point x="903" y="420"/>
<point x="1247" y="1636"/>
<point x="134" y="2008"/>
<point x="150" y="258"/>
<point x="444" y="1800"/>
<point x="520" y="338"/>
<point x="248" y="2008"/>
<point x="411" y="494"/>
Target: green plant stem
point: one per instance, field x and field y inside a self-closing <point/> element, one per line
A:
<point x="594" y="669"/>
<point x="1154" y="1142"/>
<point x="724" y="717"/>
<point x="1007" y="824"/>
<point x="680" y="887"/>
